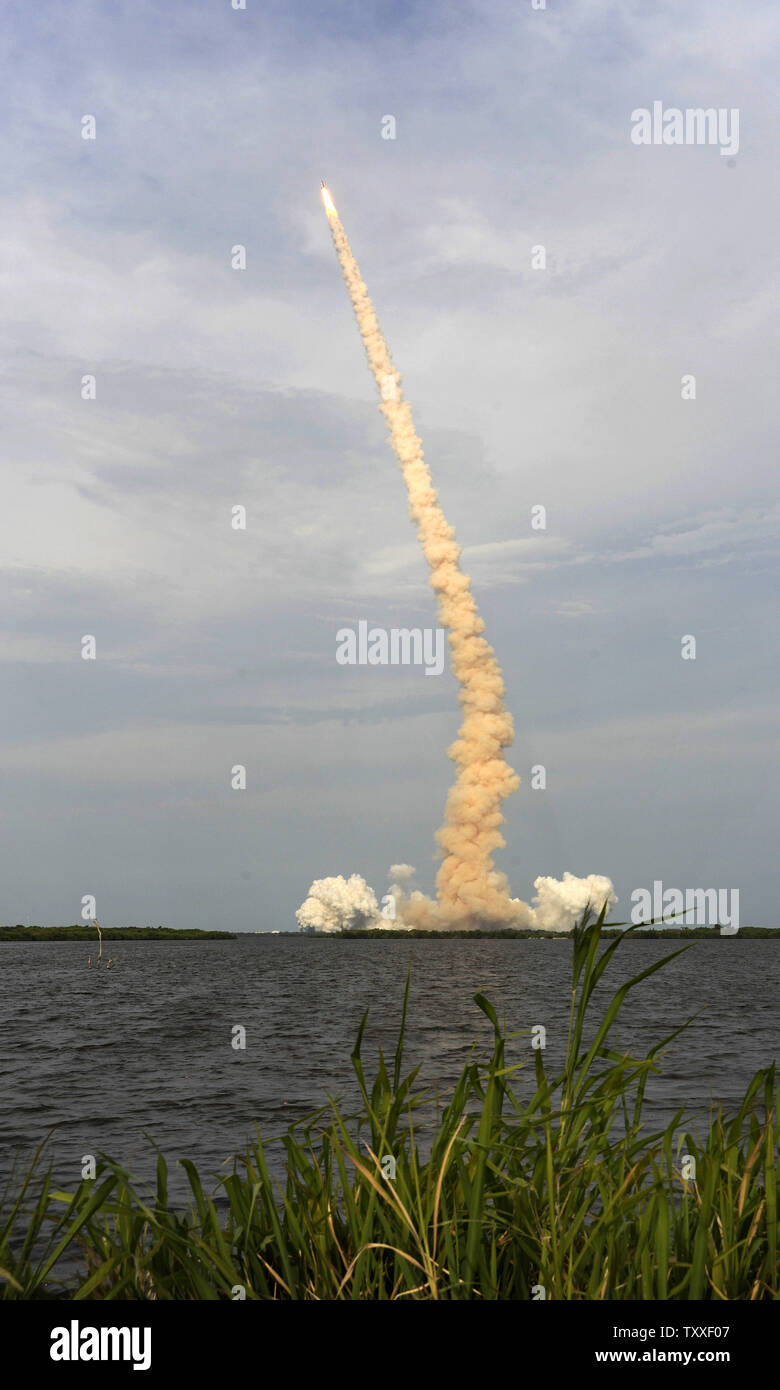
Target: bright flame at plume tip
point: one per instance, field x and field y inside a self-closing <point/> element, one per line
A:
<point x="330" y="206"/>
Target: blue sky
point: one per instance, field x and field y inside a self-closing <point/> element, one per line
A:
<point x="217" y="387"/>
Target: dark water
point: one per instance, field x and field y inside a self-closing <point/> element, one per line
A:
<point x="145" y="1049"/>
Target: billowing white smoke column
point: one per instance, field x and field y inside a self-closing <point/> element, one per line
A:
<point x="471" y="892"/>
<point x="561" y="903"/>
<point x="340" y="904"/>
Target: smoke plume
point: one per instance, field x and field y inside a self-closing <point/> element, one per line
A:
<point x="470" y="890"/>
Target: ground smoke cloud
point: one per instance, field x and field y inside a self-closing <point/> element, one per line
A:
<point x="348" y="904"/>
<point x="339" y="904"/>
<point x="561" y="903"/>
<point x="470" y="891"/>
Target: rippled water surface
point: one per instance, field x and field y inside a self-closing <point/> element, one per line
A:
<point x="145" y="1049"/>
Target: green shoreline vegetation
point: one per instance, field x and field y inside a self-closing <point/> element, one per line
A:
<point x="511" y="934"/>
<point x="564" y="1190"/>
<point x="83" y="931"/>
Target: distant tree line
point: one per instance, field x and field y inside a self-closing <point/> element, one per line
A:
<point x="643" y="933"/>
<point x="84" y="931"/>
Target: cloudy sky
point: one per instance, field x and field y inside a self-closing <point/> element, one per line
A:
<point x="218" y="387"/>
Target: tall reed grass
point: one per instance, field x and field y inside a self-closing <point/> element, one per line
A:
<point x="563" y="1195"/>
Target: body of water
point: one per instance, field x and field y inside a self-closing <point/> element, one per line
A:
<point x="110" y="1057"/>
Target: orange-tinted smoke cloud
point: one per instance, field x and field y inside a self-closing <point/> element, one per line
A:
<point x="469" y="888"/>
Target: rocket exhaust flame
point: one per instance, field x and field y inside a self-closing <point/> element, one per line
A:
<point x="470" y="891"/>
